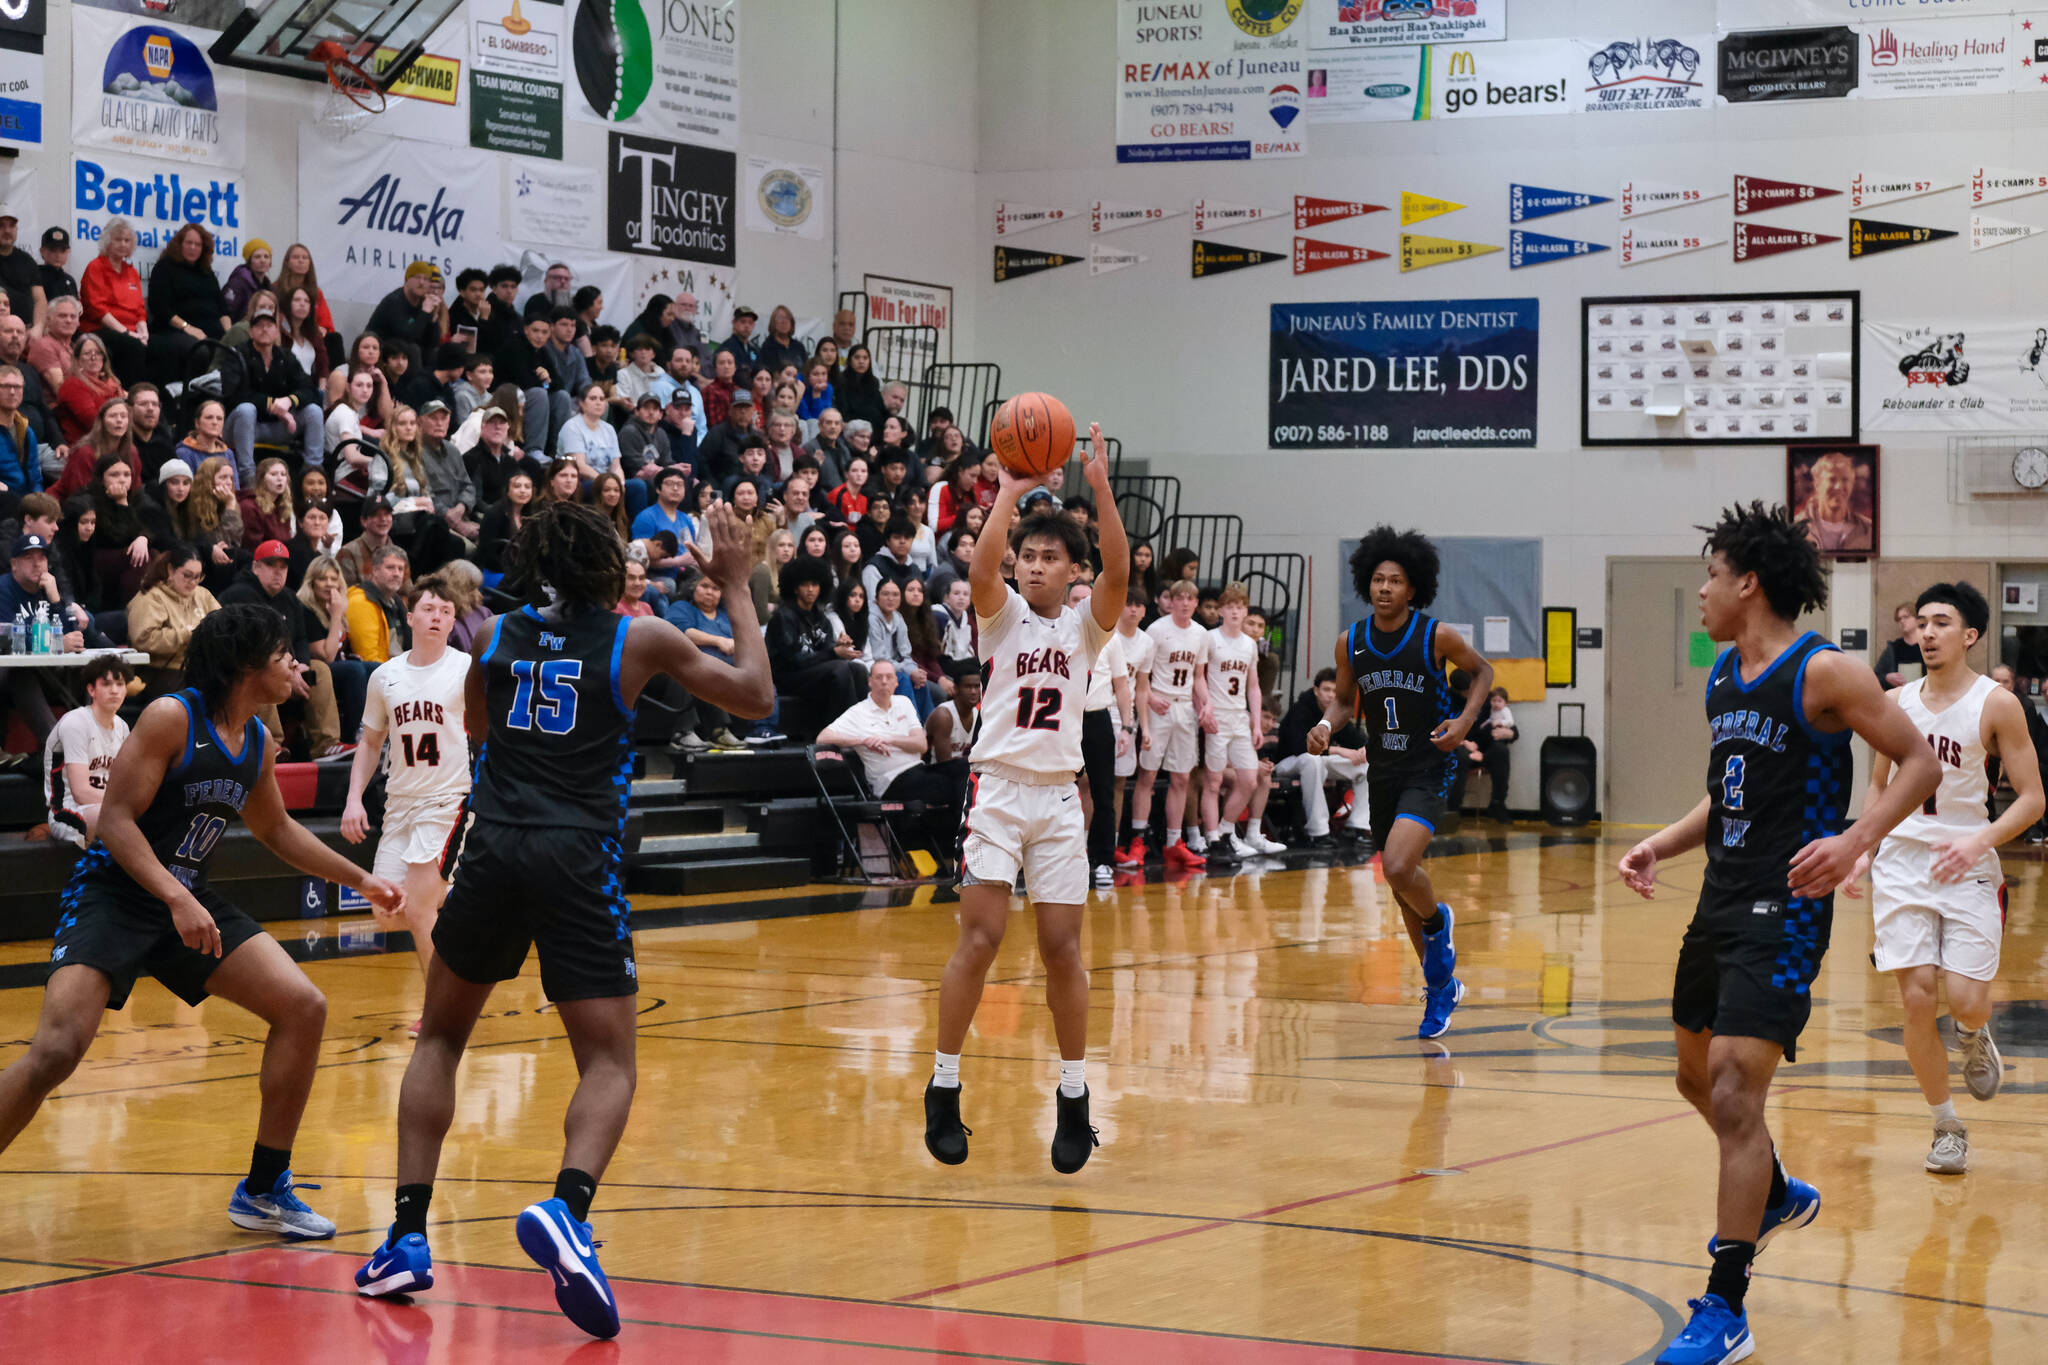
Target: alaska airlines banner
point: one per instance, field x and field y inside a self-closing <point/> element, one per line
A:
<point x="370" y="207"/>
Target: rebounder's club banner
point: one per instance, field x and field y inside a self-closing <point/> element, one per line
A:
<point x="1957" y="373"/>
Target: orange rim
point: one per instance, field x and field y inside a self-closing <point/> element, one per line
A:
<point x="351" y="80"/>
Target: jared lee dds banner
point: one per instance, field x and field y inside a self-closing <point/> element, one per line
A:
<point x="1452" y="372"/>
<point x="1956" y="374"/>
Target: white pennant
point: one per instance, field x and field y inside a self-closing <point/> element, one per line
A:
<point x="1870" y="188"/>
<point x="1996" y="184"/>
<point x="1104" y="260"/>
<point x="1638" y="246"/>
<point x="1212" y="215"/>
<point x="1012" y="219"/>
<point x="1106" y="216"/>
<point x="1987" y="232"/>
<point x="1640" y="198"/>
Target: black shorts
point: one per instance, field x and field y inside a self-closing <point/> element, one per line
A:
<point x="123" y="932"/>
<point x="1747" y="966"/>
<point x="1417" y="796"/>
<point x="561" y="890"/>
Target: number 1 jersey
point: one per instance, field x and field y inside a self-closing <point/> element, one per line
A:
<point x="419" y="708"/>
<point x="1034" y="684"/>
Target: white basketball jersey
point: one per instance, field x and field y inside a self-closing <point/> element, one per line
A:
<point x="1233" y="671"/>
<point x="419" y="708"/>
<point x="1036" y="684"/>
<point x="1177" y="652"/>
<point x="1957" y="737"/>
<point x="1109" y="666"/>
<point x="1138" y="652"/>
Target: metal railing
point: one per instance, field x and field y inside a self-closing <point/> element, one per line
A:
<point x="1279" y="586"/>
<point x="1214" y="537"/>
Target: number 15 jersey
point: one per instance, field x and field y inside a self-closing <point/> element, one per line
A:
<point x="419" y="709"/>
<point x="1034" y="684"/>
<point x="559" y="748"/>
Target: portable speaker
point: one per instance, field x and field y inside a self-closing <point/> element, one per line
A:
<point x="1568" y="773"/>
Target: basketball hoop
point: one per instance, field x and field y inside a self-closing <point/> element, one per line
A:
<point x="353" y="99"/>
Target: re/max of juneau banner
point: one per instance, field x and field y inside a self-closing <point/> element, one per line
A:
<point x="1448" y="372"/>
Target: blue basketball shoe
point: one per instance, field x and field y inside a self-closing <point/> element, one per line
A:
<point x="1439" y="954"/>
<point x="401" y="1267"/>
<point x="564" y="1248"/>
<point x="279" y="1211"/>
<point x="1801" y="1206"/>
<point x="1438" y="1002"/>
<point x="1717" y="1335"/>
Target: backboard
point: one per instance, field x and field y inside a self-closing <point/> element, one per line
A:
<point x="383" y="37"/>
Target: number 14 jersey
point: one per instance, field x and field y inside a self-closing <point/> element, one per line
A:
<point x="419" y="709"/>
<point x="1034" y="683"/>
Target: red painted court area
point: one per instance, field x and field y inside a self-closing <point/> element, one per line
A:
<point x="297" y="1305"/>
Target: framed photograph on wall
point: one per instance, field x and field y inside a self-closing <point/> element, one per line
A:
<point x="1832" y="491"/>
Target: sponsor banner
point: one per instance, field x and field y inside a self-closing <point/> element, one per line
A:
<point x="1217" y="215"/>
<point x="1368" y="85"/>
<point x="1644" y="74"/>
<point x="910" y="303"/>
<point x="1754" y="241"/>
<point x="371" y="206"/>
<point x="670" y="68"/>
<point x="213" y="15"/>
<point x="18" y="185"/>
<point x="1012" y="264"/>
<point x="1918" y="375"/>
<point x="1869" y="237"/>
<point x="1012" y="219"/>
<point x="158" y="200"/>
<point x="1310" y="211"/>
<point x="1754" y="194"/>
<point x="1867" y="189"/>
<point x="1996" y="184"/>
<point x="1776" y="13"/>
<point x="21" y="92"/>
<point x="515" y="76"/>
<point x="1529" y="202"/>
<point x="1503" y="79"/>
<point x="431" y="100"/>
<point x="1789" y="64"/>
<point x="1209" y="82"/>
<point x="1639" y="245"/>
<point x="149" y="89"/>
<point x="1640" y="198"/>
<point x="518" y="37"/>
<point x="1220" y="258"/>
<point x="1417" y="207"/>
<point x="1105" y="260"/>
<point x="515" y="114"/>
<point x="1340" y="24"/>
<point x="1412" y="374"/>
<point x="710" y="286"/>
<point x="785" y="200"/>
<point x="1420" y="253"/>
<point x="1987" y="232"/>
<point x="1311" y="255"/>
<point x="24" y="19"/>
<point x="1533" y="248"/>
<point x="562" y="205"/>
<point x="670" y="199"/>
<point x="1944" y="56"/>
<point x="1105" y="216"/>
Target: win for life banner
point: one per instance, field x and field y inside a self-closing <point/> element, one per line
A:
<point x="1956" y="374"/>
<point x="1220" y="81"/>
<point x="371" y="206"/>
<point x="148" y="89"/>
<point x="665" y="68"/>
<point x="1411" y="374"/>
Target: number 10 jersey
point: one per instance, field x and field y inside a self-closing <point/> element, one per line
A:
<point x="1034" y="683"/>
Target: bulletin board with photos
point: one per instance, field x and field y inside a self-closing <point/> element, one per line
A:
<point x="1719" y="369"/>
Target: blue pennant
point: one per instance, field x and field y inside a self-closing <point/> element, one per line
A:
<point x="1532" y="201"/>
<point x="1533" y="248"/>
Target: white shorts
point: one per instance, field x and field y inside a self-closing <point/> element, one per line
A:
<point x="1127" y="761"/>
<point x="1176" y="740"/>
<point x="1229" y="746"/>
<point x="1955" y="926"/>
<point x="412" y="835"/>
<point x="1010" y="826"/>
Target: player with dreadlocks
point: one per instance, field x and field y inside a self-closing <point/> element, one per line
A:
<point x="139" y="902"/>
<point x="551" y="697"/>
<point x="1392" y="666"/>
<point x="1781" y="706"/>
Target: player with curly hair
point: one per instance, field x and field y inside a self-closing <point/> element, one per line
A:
<point x="1394" y="666"/>
<point x="1781" y="706"/>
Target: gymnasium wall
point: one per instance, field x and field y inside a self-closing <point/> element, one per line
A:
<point x="1178" y="366"/>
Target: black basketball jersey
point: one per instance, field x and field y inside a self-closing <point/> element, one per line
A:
<point x="198" y="796"/>
<point x="1775" y="783"/>
<point x="1402" y="693"/>
<point x="559" y="748"/>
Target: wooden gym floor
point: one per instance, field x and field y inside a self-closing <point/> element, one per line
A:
<point x="1286" y="1174"/>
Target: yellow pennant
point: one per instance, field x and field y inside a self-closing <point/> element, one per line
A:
<point x="1419" y="253"/>
<point x="1416" y="207"/>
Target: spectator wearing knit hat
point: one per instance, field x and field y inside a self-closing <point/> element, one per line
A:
<point x="410" y="314"/>
<point x="251" y="276"/>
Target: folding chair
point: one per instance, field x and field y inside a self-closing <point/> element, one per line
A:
<point x="869" y="850"/>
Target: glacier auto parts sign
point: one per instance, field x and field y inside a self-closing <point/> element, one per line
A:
<point x="149" y="89"/>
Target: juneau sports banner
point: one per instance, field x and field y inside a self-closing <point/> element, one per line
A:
<point x="1640" y="245"/>
<point x="1754" y="194"/>
<point x="1420" y="253"/>
<point x="1869" y="237"/>
<point x="1987" y="232"/>
<point x="1996" y="184"/>
<point x="1445" y="373"/>
<point x="1219" y="215"/>
<point x="1957" y="373"/>
<point x="1754" y="241"/>
<point x="1310" y="211"/>
<point x="1526" y="202"/>
<point x="662" y="68"/>
<point x="1012" y="219"/>
<point x="1867" y="189"/>
<point x="1534" y="248"/>
<point x="1417" y="207"/>
<point x="1640" y="198"/>
<point x="1209" y="82"/>
<point x="1105" y="216"/>
<point x="1106" y="260"/>
<point x="1311" y="255"/>
<point x="1012" y="264"/>
<point x="148" y="89"/>
<point x="1220" y="258"/>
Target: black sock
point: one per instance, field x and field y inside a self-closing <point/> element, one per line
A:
<point x="1435" y="923"/>
<point x="412" y="1211"/>
<point x="576" y="1189"/>
<point x="1730" y="1275"/>
<point x="1779" y="1192"/>
<point x="266" y="1164"/>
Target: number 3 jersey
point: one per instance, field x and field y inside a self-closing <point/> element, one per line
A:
<point x="1034" y="683"/>
<point x="419" y="709"/>
<point x="559" y="748"/>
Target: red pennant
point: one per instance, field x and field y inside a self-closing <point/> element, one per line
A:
<point x="1311" y="255"/>
<point x="1753" y="241"/>
<point x="1310" y="211"/>
<point x="1754" y="194"/>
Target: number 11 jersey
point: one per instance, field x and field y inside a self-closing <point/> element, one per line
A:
<point x="1034" y="683"/>
<point x="419" y="708"/>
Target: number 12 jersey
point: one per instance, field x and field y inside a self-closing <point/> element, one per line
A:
<point x="1034" y="683"/>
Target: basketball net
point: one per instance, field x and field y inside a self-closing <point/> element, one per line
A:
<point x="353" y="99"/>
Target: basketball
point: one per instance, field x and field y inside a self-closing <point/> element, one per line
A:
<point x="1033" y="433"/>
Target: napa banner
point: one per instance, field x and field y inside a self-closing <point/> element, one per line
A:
<point x="148" y="89"/>
<point x="663" y="68"/>
<point x="1443" y="373"/>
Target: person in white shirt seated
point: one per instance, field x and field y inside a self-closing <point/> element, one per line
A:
<point x="79" y="755"/>
<point x="891" y="740"/>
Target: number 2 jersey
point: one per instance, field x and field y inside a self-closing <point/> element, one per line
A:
<point x="1034" y="685"/>
<point x="419" y="709"/>
<point x="559" y="748"/>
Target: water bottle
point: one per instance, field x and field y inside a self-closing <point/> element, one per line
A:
<point x="22" y="644"/>
<point x="42" y="628"/>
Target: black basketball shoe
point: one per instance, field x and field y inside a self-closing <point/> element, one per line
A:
<point x="1072" y="1137"/>
<point x="945" y="1137"/>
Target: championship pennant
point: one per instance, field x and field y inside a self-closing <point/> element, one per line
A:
<point x="1532" y="201"/>
<point x="1214" y="258"/>
<point x="1869" y="237"/>
<point x="1640" y="198"/>
<point x="1987" y="232"/>
<point x="1015" y="218"/>
<point x="1869" y="189"/>
<point x="1416" y="207"/>
<point x="1104" y="216"/>
<point x="1996" y="184"/>
<point x="1754" y="194"/>
<point x="1420" y="253"/>
<point x="1639" y="246"/>
<point x="1105" y="260"/>
<point x="1310" y="211"/>
<point x="1311" y="255"/>
<point x="1012" y="264"/>
<point x="1754" y="241"/>
<point x="1533" y="248"/>
<point x="1217" y="215"/>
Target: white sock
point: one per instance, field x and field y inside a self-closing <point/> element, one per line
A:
<point x="1172" y="837"/>
<point x="1137" y="826"/>
<point x="1073" y="1078"/>
<point x="1945" y="1110"/>
<point x="1209" y="834"/>
<point x="946" y="1070"/>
